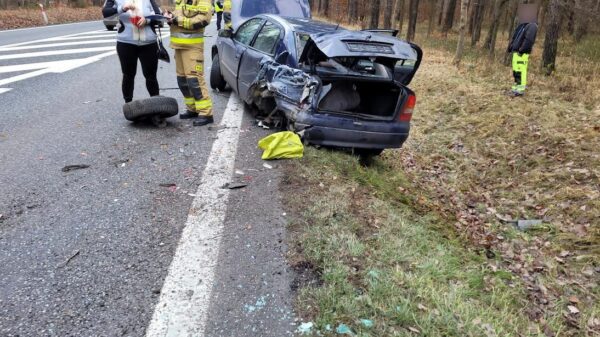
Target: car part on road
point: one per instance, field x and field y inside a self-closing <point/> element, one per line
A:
<point x="156" y="109"/>
<point x="216" y="78"/>
<point x="69" y="168"/>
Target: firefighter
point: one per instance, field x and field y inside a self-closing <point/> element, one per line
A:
<point x="521" y="45"/>
<point x="227" y="14"/>
<point x="187" y="38"/>
<point x="219" y="10"/>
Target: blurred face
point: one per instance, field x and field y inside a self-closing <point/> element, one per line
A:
<point x="527" y="13"/>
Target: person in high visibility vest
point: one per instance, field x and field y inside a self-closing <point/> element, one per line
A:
<point x="227" y="14"/>
<point x="187" y="38"/>
<point x="219" y="10"/>
<point x="521" y="45"/>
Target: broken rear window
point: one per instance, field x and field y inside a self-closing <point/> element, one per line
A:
<point x="369" y="47"/>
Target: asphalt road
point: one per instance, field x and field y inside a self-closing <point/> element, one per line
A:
<point x="86" y="252"/>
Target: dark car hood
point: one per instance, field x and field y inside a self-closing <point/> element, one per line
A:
<point x="339" y="44"/>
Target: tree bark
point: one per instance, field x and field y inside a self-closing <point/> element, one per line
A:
<point x="460" y="47"/>
<point x="374" y="17"/>
<point x="490" y="41"/>
<point x="477" y="21"/>
<point x="352" y="11"/>
<point x="399" y="15"/>
<point x="325" y="10"/>
<point x="449" y="16"/>
<point x="387" y="15"/>
<point x="582" y="19"/>
<point x="412" y="19"/>
<point x="432" y="12"/>
<point x="551" y="40"/>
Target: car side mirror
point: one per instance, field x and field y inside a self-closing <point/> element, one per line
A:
<point x="282" y="57"/>
<point x="228" y="33"/>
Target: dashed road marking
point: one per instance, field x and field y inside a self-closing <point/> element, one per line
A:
<point x="185" y="296"/>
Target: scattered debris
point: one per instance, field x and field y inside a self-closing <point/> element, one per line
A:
<point x="69" y="168"/>
<point x="167" y="185"/>
<point x="239" y="172"/>
<point x="413" y="329"/>
<point x="367" y="323"/>
<point x="527" y="224"/>
<point x="305" y="328"/>
<point x="343" y="329"/>
<point x="234" y="186"/>
<point x="573" y="309"/>
<point x="74" y="255"/>
<point x="267" y="166"/>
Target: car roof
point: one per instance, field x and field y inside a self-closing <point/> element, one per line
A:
<point x="307" y="26"/>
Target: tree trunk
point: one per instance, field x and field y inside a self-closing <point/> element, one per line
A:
<point x="477" y="21"/>
<point x="399" y="15"/>
<point x="460" y="47"/>
<point x="442" y="9"/>
<point x="490" y="41"/>
<point x="551" y="40"/>
<point x="325" y="10"/>
<point x="352" y="11"/>
<point x="582" y="18"/>
<point x="374" y="17"/>
<point x="412" y="19"/>
<point x="449" y="16"/>
<point x="387" y="15"/>
<point x="432" y="10"/>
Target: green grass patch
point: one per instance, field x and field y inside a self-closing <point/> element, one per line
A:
<point x="380" y="260"/>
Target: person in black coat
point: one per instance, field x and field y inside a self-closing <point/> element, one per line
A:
<point x="521" y="45"/>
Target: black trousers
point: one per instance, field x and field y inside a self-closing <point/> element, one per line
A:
<point x="219" y="20"/>
<point x="129" y="55"/>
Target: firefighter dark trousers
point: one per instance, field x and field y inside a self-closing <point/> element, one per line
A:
<point x="519" y="65"/>
<point x="189" y="64"/>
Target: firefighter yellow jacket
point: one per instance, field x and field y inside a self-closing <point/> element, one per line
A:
<point x="190" y="18"/>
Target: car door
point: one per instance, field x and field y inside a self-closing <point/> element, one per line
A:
<point x="233" y="50"/>
<point x="263" y="47"/>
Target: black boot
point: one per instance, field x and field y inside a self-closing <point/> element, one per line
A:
<point x="188" y="115"/>
<point x="203" y="120"/>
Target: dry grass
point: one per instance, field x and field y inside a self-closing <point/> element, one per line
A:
<point x="477" y="157"/>
<point x="21" y="18"/>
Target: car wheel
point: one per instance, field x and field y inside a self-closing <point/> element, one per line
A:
<point x="163" y="107"/>
<point x="216" y="78"/>
<point x="110" y="27"/>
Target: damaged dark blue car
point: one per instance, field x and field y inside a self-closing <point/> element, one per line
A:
<point x="333" y="86"/>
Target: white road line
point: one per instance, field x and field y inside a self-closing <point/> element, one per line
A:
<point x="3" y="90"/>
<point x="44" y="39"/>
<point x="56" y="52"/>
<point x="60" y="44"/>
<point x="185" y="296"/>
<point x="58" y="67"/>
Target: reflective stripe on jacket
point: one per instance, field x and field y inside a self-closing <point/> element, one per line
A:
<point x="190" y="18"/>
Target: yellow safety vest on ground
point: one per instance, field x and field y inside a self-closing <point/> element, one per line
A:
<point x="191" y="16"/>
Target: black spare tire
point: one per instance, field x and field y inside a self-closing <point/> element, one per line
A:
<point x="161" y="106"/>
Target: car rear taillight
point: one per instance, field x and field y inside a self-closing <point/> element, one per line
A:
<point x="409" y="107"/>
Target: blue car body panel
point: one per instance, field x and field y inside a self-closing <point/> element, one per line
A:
<point x="241" y="65"/>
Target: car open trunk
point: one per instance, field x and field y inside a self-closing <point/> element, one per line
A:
<point x="361" y="73"/>
<point x="366" y="99"/>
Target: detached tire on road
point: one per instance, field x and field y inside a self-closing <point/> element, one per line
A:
<point x="216" y="78"/>
<point x="163" y="107"/>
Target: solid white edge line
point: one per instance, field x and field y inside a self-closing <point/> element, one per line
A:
<point x="3" y="90"/>
<point x="186" y="292"/>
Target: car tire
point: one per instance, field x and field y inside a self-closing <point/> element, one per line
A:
<point x="216" y="78"/>
<point x="110" y="27"/>
<point x="163" y="107"/>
